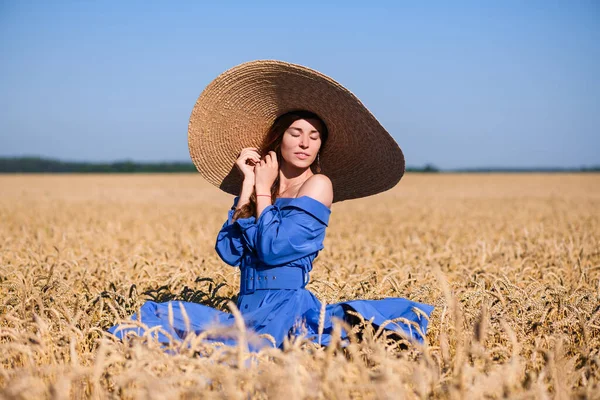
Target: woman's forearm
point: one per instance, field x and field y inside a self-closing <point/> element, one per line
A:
<point x="262" y="202"/>
<point x="247" y="188"/>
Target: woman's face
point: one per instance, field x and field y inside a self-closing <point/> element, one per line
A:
<point x="301" y="142"/>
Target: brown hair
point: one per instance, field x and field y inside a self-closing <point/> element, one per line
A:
<point x="272" y="142"/>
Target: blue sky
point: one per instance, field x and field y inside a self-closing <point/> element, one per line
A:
<point x="458" y="84"/>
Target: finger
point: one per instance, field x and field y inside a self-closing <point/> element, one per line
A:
<point x="248" y="150"/>
<point x="253" y="151"/>
<point x="250" y="155"/>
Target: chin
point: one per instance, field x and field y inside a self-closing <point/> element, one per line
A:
<point x="300" y="164"/>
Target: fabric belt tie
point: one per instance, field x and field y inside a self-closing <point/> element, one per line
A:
<point x="272" y="278"/>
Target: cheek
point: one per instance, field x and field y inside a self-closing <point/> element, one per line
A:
<point x="286" y="145"/>
<point x="286" y="150"/>
<point x="316" y="145"/>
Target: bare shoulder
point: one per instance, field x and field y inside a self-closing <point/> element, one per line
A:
<point x="319" y="187"/>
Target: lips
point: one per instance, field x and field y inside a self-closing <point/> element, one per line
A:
<point x="302" y="156"/>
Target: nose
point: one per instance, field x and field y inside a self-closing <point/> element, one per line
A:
<point x="304" y="142"/>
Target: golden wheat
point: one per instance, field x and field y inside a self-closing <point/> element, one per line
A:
<point x="511" y="262"/>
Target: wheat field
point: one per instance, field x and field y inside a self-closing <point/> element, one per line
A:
<point x="510" y="261"/>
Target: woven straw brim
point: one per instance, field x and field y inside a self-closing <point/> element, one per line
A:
<point x="236" y="110"/>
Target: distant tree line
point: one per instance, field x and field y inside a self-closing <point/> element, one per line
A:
<point x="45" y="165"/>
<point x="525" y="170"/>
<point x="40" y="165"/>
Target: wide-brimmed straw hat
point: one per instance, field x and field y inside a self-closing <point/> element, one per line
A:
<point x="237" y="109"/>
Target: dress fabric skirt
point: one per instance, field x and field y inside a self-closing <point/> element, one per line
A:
<point x="275" y="255"/>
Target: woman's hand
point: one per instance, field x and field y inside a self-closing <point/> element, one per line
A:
<point x="265" y="172"/>
<point x="246" y="162"/>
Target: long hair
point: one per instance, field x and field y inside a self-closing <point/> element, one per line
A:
<point x="272" y="142"/>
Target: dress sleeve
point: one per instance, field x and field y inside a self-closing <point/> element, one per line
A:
<point x="235" y="237"/>
<point x="292" y="231"/>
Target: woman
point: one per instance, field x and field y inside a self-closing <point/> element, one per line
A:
<point x="276" y="226"/>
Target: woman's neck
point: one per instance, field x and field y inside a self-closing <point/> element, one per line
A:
<point x="292" y="179"/>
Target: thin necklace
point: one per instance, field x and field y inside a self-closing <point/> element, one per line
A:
<point x="289" y="187"/>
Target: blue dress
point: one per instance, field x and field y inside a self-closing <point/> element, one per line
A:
<point x="275" y="255"/>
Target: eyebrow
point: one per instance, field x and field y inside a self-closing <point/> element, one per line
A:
<point x="300" y="130"/>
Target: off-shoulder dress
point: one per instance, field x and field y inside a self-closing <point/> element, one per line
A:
<point x="275" y="254"/>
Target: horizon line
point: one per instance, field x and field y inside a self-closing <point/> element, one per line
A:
<point x="428" y="165"/>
